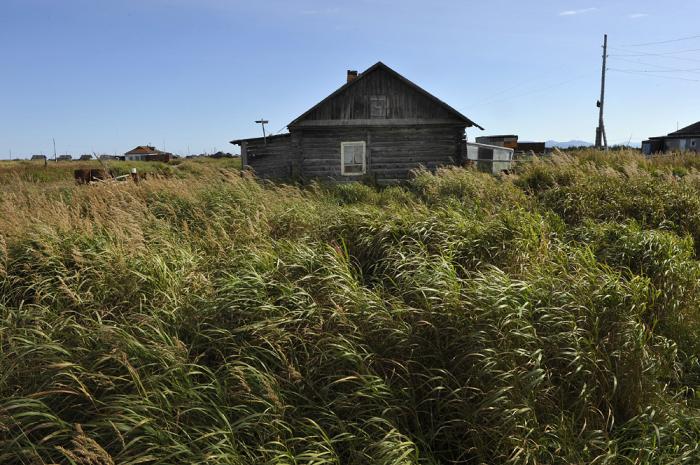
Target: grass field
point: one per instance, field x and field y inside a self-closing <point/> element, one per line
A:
<point x="36" y="172"/>
<point x="551" y="316"/>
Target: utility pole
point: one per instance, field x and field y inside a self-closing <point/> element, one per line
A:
<point x="54" y="150"/>
<point x="263" y="122"/>
<point x="601" y="139"/>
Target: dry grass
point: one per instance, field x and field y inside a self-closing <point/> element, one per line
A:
<point x="550" y="316"/>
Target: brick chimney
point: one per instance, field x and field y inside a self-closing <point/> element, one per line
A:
<point x="352" y="75"/>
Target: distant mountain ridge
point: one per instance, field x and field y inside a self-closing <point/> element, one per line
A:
<point x="582" y="143"/>
<point x="567" y="144"/>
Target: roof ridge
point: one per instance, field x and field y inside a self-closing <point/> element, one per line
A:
<point x="690" y="129"/>
<point x="396" y="74"/>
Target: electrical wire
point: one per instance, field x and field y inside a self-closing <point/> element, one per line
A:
<point x="669" y="54"/>
<point x="505" y="91"/>
<point x="665" y="69"/>
<point x="541" y="89"/>
<point x="657" y="55"/>
<point x="646" y="73"/>
<point x="662" y="70"/>
<point x="664" y="41"/>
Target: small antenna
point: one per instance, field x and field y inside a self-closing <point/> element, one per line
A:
<point x="263" y="122"/>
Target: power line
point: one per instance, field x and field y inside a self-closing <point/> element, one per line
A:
<point x="493" y="96"/>
<point x="664" y="54"/>
<point x="665" y="68"/>
<point x="658" y="55"/>
<point x="537" y="90"/>
<point x="661" y="70"/>
<point x="664" y="41"/>
<point x="638" y="73"/>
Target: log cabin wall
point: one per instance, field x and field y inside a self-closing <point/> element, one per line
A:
<point x="269" y="160"/>
<point x="391" y="152"/>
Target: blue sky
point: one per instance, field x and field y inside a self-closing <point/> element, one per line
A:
<point x="106" y="75"/>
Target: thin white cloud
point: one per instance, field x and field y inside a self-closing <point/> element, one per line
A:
<point x="637" y="15"/>
<point x="577" y="12"/>
<point x="325" y="11"/>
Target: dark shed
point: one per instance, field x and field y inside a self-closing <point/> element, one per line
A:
<point x="378" y="125"/>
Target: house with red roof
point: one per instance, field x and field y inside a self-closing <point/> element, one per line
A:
<point x="147" y="153"/>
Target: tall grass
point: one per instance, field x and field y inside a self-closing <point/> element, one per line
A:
<point x="544" y="317"/>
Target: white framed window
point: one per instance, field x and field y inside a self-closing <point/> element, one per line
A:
<point x="353" y="158"/>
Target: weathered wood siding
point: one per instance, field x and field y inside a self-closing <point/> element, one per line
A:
<point x="392" y="152"/>
<point x="400" y="101"/>
<point x="402" y="126"/>
<point x="274" y="159"/>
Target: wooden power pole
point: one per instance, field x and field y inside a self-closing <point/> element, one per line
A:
<point x="263" y="122"/>
<point x="601" y="139"/>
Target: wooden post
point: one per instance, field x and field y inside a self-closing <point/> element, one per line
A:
<point x="600" y="136"/>
<point x="263" y="122"/>
<point x="244" y="154"/>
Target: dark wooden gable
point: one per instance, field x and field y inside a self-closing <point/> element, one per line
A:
<point x="693" y="129"/>
<point x="379" y="96"/>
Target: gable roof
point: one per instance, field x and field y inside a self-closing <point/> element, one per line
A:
<point x="272" y="137"/>
<point x="377" y="66"/>
<point x="688" y="130"/>
<point x="143" y="150"/>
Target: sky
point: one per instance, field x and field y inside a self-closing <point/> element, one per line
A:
<point x="190" y="75"/>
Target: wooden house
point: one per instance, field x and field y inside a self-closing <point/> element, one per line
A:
<point x="686" y="139"/>
<point x="510" y="141"/>
<point x="147" y="153"/>
<point x="378" y="125"/>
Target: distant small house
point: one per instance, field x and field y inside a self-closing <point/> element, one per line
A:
<point x="511" y="141"/>
<point x="220" y="154"/>
<point x="39" y="157"/>
<point x="85" y="157"/>
<point x="534" y="147"/>
<point x="683" y="140"/>
<point x="147" y="153"/>
<point x="65" y="157"/>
